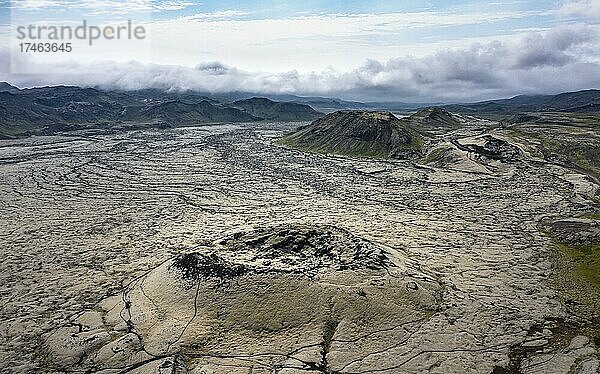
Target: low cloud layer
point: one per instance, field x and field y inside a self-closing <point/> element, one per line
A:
<point x="562" y="59"/>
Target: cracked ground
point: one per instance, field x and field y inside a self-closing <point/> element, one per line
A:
<point x="86" y="218"/>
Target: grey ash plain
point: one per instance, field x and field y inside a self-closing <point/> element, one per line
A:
<point x="460" y="277"/>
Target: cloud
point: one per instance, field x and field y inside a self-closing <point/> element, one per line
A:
<point x="36" y="4"/>
<point x="581" y="8"/>
<point x="292" y="42"/>
<point x="564" y="58"/>
<point x="340" y="40"/>
<point x="104" y="6"/>
<point x="215" y="16"/>
<point x="552" y="48"/>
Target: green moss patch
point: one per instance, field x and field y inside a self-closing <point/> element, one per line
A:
<point x="577" y="279"/>
<point x="576" y="150"/>
<point x="586" y="261"/>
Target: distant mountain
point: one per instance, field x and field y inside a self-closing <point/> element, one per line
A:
<point x="581" y="101"/>
<point x="328" y="105"/>
<point x="587" y="101"/>
<point x="153" y="95"/>
<point x="31" y="110"/>
<point x="568" y="101"/>
<point x="184" y="114"/>
<point x="434" y="118"/>
<point x="5" y="87"/>
<point x="45" y="110"/>
<point x="358" y="133"/>
<point x="277" y="111"/>
<point x="320" y="104"/>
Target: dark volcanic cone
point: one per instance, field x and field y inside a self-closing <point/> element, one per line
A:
<point x="358" y="133"/>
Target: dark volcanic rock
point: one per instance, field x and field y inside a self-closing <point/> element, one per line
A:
<point x="493" y="148"/>
<point x="299" y="249"/>
<point x="198" y="265"/>
<point x="359" y="133"/>
<point x="576" y="232"/>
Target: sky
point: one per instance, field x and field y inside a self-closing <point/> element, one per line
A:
<point x="411" y="51"/>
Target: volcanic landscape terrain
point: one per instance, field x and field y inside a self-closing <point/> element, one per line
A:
<point x="225" y="249"/>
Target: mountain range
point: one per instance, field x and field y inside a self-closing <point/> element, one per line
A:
<point x="46" y="110"/>
<point x="587" y="101"/>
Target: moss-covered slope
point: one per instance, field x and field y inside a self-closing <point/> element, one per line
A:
<point x="358" y="133"/>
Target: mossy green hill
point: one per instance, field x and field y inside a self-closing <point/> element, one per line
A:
<point x="374" y="134"/>
<point x="434" y="117"/>
<point x="358" y="133"/>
